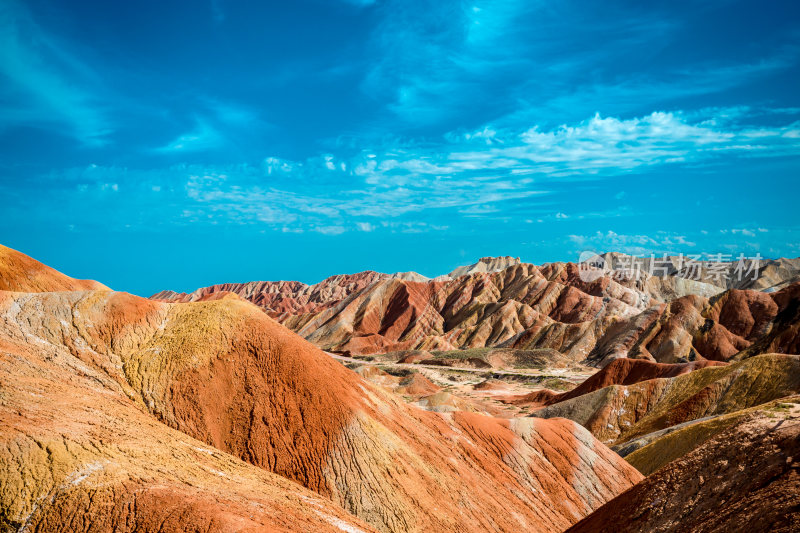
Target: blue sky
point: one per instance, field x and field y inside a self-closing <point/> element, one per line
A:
<point x="169" y="145"/>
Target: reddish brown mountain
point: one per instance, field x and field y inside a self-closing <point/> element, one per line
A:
<point x="740" y="322"/>
<point x="747" y="478"/>
<point x="504" y="303"/>
<point x="623" y="415"/>
<point x="21" y="273"/>
<point x="622" y="371"/>
<point x="80" y="452"/>
<point x="284" y="296"/>
<point x="226" y="374"/>
<point x="119" y="413"/>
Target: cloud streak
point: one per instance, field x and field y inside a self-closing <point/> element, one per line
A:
<point x="596" y="146"/>
<point x="202" y="137"/>
<point x="466" y="175"/>
<point x="732" y="243"/>
<point x="46" y="84"/>
<point x="537" y="61"/>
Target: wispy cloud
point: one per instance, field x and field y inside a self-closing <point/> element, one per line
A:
<point x="610" y="144"/>
<point x="660" y="242"/>
<point x="514" y="160"/>
<point x="46" y="84"/>
<point x="731" y="243"/>
<point x="462" y="176"/>
<point x="526" y="61"/>
<point x="202" y="137"/>
<point x="216" y="125"/>
<point x="446" y="56"/>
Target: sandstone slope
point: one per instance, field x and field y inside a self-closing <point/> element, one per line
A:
<point x="21" y="273"/>
<point x="622" y="371"/>
<point x="652" y="451"/>
<point x="520" y="306"/>
<point x="226" y="374"/>
<point x="500" y="302"/>
<point x="485" y="264"/>
<point x="735" y="324"/>
<point x="78" y="452"/>
<point x="746" y="478"/>
<point x="620" y="413"/>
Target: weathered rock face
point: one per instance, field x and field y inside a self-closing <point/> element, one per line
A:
<point x="501" y="302"/>
<point x="518" y="306"/>
<point x="284" y="296"/>
<point x="21" y="273"/>
<point x="621" y="413"/>
<point x="782" y="334"/>
<point x="737" y="323"/>
<point x="744" y="479"/>
<point x="79" y="452"/>
<point x="654" y="450"/>
<point x="622" y="371"/>
<point x="119" y="413"/>
<point x="109" y="378"/>
<point x="485" y="264"/>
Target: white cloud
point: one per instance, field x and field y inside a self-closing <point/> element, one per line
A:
<point x="461" y="176"/>
<point x="594" y="148"/>
<point x="600" y="144"/>
<point x="44" y="83"/>
<point x="202" y="137"/>
<point x="330" y="230"/>
<point x="660" y="242"/>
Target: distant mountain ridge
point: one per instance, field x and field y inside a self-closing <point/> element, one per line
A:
<point x="119" y="413"/>
<point x="502" y="302"/>
<point x="485" y="265"/>
<point x="331" y="288"/>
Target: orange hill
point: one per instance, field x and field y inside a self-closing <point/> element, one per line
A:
<point x="21" y="273"/>
<point x="226" y="374"/>
<point x="507" y="304"/>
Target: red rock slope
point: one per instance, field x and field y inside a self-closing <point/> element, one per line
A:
<point x="619" y="414"/>
<point x="284" y="296"/>
<point x="504" y="303"/>
<point x="622" y="371"/>
<point x="226" y="374"/>
<point x="745" y="479"/>
<point x="521" y="306"/>
<point x="21" y="273"/>
<point x="735" y="324"/>
<point x="79" y="453"/>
